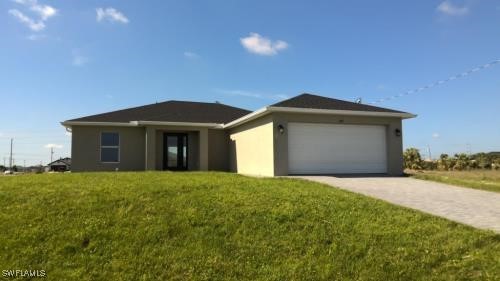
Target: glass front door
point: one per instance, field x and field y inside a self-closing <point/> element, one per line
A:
<point x="175" y="151"/>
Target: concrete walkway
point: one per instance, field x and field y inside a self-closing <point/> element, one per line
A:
<point x="474" y="207"/>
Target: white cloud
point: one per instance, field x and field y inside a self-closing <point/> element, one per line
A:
<point x="53" y="145"/>
<point x="43" y="11"/>
<point x="111" y="14"/>
<point x="191" y="55"/>
<point x="67" y="134"/>
<point x="257" y="44"/>
<point x="435" y="135"/>
<point x="281" y="97"/>
<point x="250" y="94"/>
<point x="450" y="9"/>
<point x="35" y="37"/>
<point x="79" y="59"/>
<point x="241" y="93"/>
<point x="29" y="22"/>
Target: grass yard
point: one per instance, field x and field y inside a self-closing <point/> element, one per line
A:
<point x="479" y="179"/>
<point x="218" y="226"/>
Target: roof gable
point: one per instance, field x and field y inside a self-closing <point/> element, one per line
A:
<point x="319" y="102"/>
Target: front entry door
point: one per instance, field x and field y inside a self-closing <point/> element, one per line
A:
<point x="175" y="152"/>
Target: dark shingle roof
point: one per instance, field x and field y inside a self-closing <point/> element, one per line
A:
<point x="66" y="161"/>
<point x="171" y="111"/>
<point x="319" y="102"/>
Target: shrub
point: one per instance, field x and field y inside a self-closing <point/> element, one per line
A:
<point x="443" y="163"/>
<point x="429" y="165"/>
<point x="462" y="162"/>
<point x="412" y="159"/>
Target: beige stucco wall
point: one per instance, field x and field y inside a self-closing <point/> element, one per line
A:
<point x="141" y="148"/>
<point x="394" y="143"/>
<point x="85" y="149"/>
<point x="251" y="147"/>
<point x="218" y="150"/>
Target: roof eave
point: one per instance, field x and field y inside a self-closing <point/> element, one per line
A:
<point x="403" y="115"/>
<point x="266" y="110"/>
<point x="69" y="124"/>
<point x="184" y="124"/>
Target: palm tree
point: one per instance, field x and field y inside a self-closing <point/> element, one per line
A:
<point x="462" y="162"/>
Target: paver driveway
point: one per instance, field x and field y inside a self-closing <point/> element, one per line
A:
<point x="478" y="208"/>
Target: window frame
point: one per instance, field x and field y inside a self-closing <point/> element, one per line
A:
<point x="109" y="146"/>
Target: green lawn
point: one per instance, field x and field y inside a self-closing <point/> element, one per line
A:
<point x="478" y="179"/>
<point x="218" y="226"/>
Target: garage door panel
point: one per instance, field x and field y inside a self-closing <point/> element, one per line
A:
<point x="335" y="148"/>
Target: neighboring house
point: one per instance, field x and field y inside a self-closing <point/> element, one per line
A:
<point x="60" y="165"/>
<point x="307" y="134"/>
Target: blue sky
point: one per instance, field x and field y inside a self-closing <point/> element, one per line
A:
<point x="65" y="59"/>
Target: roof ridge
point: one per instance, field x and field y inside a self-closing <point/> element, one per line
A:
<point x="323" y="97"/>
<point x="171" y="110"/>
<point x="308" y="100"/>
<point x="161" y="103"/>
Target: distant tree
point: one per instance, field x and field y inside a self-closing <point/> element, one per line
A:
<point x="496" y="164"/>
<point x="462" y="162"/>
<point x="482" y="160"/>
<point x="429" y="165"/>
<point x="443" y="162"/>
<point x="412" y="159"/>
<point x="473" y="164"/>
<point x="494" y="154"/>
<point x="3" y="168"/>
<point x="14" y="168"/>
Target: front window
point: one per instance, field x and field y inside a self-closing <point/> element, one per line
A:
<point x="110" y="147"/>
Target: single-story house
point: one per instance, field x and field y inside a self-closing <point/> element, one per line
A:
<point x="60" y="165"/>
<point x="306" y="134"/>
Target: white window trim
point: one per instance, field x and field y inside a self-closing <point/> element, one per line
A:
<point x="109" y="146"/>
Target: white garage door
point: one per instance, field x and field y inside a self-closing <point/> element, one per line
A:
<point x="336" y="149"/>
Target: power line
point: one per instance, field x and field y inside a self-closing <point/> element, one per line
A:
<point x="440" y="82"/>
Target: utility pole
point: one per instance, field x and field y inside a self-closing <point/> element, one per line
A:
<point x="51" y="154"/>
<point x="10" y="159"/>
<point x="429" y="149"/>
